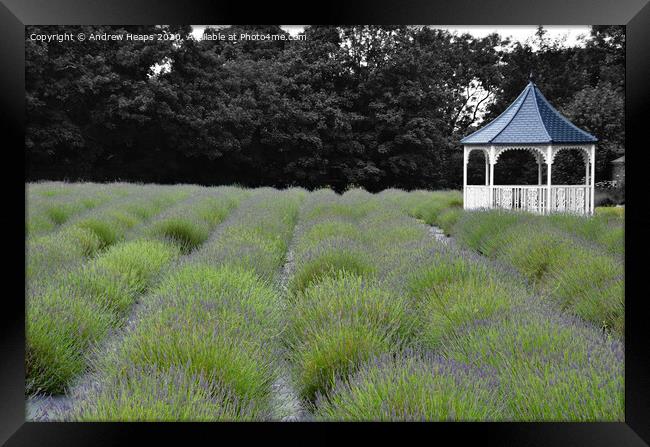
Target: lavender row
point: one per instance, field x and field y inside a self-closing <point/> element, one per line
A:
<point x="86" y="235"/>
<point x="77" y="307"/>
<point x="51" y="204"/>
<point x="527" y="360"/>
<point x="203" y="344"/>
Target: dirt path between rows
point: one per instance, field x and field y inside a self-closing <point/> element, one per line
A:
<point x="46" y="408"/>
<point x="287" y="404"/>
<point x="440" y="235"/>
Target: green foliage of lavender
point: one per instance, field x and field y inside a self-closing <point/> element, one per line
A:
<point x="79" y="308"/>
<point x="551" y="367"/>
<point x="428" y="206"/>
<point x="339" y="317"/>
<point x="153" y="395"/>
<point x="413" y="386"/>
<point x="190" y="225"/>
<point x="571" y="268"/>
<point x="190" y="313"/>
<point x="338" y="323"/>
<point x="215" y="321"/>
<point x="206" y="321"/>
<point x="548" y="367"/>
<point x="74" y="300"/>
<point x="87" y="234"/>
<point x="604" y="228"/>
<point x="52" y="204"/>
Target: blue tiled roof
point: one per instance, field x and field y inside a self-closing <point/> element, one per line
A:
<point x="529" y="119"/>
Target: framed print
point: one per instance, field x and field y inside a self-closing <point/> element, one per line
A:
<point x="398" y="218"/>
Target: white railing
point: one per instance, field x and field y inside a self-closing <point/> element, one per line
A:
<point x="526" y="198"/>
<point x="571" y="199"/>
<point x="477" y="197"/>
<point x="532" y="198"/>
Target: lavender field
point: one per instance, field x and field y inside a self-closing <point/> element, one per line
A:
<point x="191" y="303"/>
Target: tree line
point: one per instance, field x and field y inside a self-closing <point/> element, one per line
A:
<point x="370" y="106"/>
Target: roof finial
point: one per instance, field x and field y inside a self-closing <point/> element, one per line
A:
<point x="531" y="77"/>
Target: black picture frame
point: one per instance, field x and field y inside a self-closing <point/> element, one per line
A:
<point x="635" y="14"/>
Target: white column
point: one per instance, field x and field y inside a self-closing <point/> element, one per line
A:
<point x="587" y="158"/>
<point x="549" y="163"/>
<point x="465" y="177"/>
<point x="593" y="176"/>
<point x="539" y="169"/>
<point x="492" y="162"/>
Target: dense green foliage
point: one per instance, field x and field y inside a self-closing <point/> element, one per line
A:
<point x="375" y="106"/>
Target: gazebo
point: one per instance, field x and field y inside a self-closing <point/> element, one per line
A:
<point x="530" y="123"/>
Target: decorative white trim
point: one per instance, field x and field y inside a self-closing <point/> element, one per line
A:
<point x="582" y="148"/>
<point x="593" y="178"/>
<point x="536" y="151"/>
<point x="469" y="149"/>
